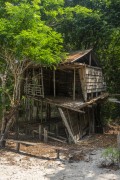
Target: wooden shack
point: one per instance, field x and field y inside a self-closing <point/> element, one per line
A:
<point x="64" y="103"/>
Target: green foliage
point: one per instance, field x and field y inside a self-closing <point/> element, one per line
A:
<point x="111" y="154"/>
<point x="110" y="59"/>
<point x="110" y="112"/>
<point x="23" y="31"/>
<point x="81" y="27"/>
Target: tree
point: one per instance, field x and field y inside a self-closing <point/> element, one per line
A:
<point x="24" y="39"/>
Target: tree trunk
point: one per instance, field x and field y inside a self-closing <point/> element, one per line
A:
<point x="3" y="80"/>
<point x="9" y="119"/>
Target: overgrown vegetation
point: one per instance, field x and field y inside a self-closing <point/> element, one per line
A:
<point x="111" y="157"/>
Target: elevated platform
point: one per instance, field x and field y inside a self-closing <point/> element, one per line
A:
<point x="68" y="103"/>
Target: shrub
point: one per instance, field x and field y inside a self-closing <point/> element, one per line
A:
<point x="112" y="156"/>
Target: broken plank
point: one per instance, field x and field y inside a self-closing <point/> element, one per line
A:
<point x="66" y="124"/>
<point x="56" y="139"/>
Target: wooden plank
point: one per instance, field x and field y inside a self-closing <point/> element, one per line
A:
<point x="105" y="95"/>
<point x="61" y="137"/>
<point x="90" y="87"/>
<point x="70" y="124"/>
<point x="66" y="124"/>
<point x="21" y="142"/>
<point x="49" y="101"/>
<point x="89" y="83"/>
<point x="56" y="139"/>
<point x="94" y="81"/>
<point x="51" y="137"/>
<point x="96" y="90"/>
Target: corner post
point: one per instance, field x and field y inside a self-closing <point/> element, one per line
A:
<point x="74" y="84"/>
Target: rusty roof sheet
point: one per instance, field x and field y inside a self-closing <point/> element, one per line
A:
<point x="76" y="55"/>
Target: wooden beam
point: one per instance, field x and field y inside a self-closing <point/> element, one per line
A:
<point x="103" y="96"/>
<point x="74" y="85"/>
<point x="56" y="139"/>
<point x="21" y="142"/>
<point x="66" y="124"/>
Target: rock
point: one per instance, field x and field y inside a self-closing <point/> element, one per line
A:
<point x="87" y="158"/>
<point x="104" y="162"/>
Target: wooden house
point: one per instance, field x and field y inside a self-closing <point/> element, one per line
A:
<point x="65" y="102"/>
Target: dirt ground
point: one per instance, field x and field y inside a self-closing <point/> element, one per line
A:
<point x="78" y="162"/>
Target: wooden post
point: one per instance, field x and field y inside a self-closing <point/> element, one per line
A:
<point x="92" y="121"/>
<point x="17" y="146"/>
<point x="58" y="154"/>
<point x="45" y="135"/>
<point x="40" y="131"/>
<point x="56" y="129"/>
<point x="41" y="113"/>
<point x="54" y="83"/>
<point x="89" y="120"/>
<point x="74" y="84"/>
<point x="85" y="84"/>
<point x="66" y="124"/>
<point x="90" y="59"/>
<point x="93" y="128"/>
<point x="48" y="112"/>
<point x="80" y="125"/>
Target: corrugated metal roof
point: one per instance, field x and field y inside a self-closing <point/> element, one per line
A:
<point x="76" y="55"/>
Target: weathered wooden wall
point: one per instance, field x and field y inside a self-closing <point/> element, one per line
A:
<point x="92" y="81"/>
